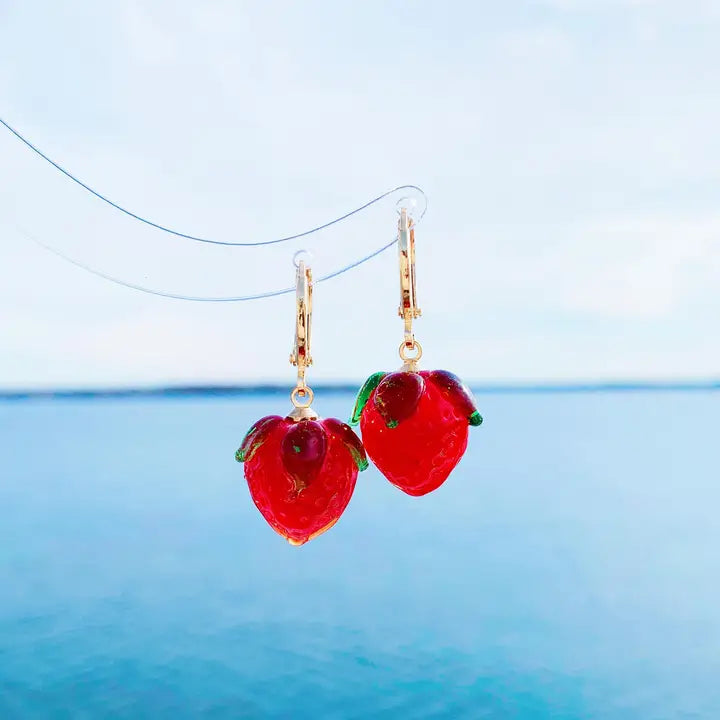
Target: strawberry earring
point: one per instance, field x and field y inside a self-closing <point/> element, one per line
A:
<point x="414" y="423"/>
<point x="301" y="470"/>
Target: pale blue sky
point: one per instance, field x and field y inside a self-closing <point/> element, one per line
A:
<point x="569" y="151"/>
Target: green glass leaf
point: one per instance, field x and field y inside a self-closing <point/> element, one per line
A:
<point x="475" y="419"/>
<point x="364" y="395"/>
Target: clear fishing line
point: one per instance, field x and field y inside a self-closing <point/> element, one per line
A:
<point x="410" y="196"/>
<point x="196" y="298"/>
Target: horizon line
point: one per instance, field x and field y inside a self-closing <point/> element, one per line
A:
<point x="249" y="389"/>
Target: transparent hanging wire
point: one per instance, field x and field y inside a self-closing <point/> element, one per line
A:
<point x="333" y="231"/>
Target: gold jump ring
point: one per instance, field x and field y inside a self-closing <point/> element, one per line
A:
<point x="404" y="347"/>
<point x="299" y="392"/>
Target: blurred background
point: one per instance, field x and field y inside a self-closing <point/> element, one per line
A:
<point x="568" y="151"/>
<point x="568" y="269"/>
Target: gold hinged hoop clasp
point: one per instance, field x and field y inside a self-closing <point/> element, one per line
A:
<point x="301" y="356"/>
<point x="408" y="309"/>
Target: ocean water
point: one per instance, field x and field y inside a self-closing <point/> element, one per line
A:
<point x="569" y="568"/>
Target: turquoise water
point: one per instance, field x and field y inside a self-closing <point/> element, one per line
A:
<point x="570" y="568"/>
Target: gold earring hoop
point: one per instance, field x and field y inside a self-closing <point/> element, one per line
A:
<point x="409" y="309"/>
<point x="301" y="357"/>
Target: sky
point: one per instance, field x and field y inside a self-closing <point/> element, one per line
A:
<point x="568" y="150"/>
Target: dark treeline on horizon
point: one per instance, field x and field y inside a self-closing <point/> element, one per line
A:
<point x="344" y="388"/>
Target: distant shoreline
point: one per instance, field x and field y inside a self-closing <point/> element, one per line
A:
<point x="173" y="391"/>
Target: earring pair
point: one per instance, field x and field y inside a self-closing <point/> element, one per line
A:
<point x="301" y="470"/>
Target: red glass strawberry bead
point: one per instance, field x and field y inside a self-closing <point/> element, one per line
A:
<point x="415" y="426"/>
<point x="301" y="473"/>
